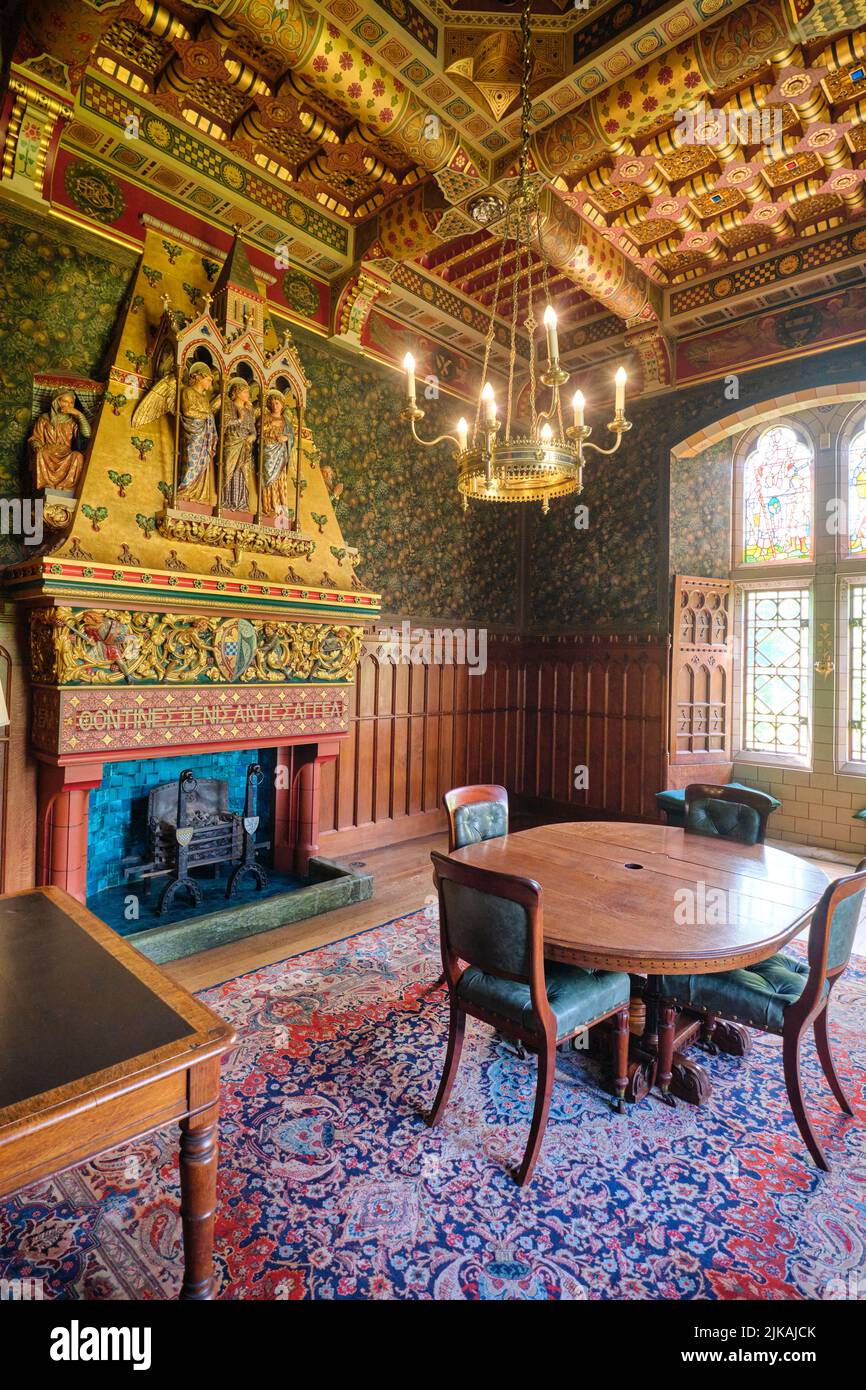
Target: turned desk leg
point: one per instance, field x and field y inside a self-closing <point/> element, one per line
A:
<point x="198" y="1173"/>
<point x="198" y="1180"/>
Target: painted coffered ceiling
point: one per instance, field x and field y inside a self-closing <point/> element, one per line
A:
<point x="698" y="159"/>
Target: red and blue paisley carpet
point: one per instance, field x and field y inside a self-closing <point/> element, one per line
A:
<point x="332" y="1187"/>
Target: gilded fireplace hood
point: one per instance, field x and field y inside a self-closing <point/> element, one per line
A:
<point x="199" y="592"/>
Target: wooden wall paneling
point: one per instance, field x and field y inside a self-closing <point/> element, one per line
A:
<point x="384" y="739"/>
<point x="18" y="816"/>
<point x="418" y="677"/>
<point x="432" y="736"/>
<point x="543" y="707"/>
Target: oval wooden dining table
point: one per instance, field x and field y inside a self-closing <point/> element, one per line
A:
<point x="651" y="899"/>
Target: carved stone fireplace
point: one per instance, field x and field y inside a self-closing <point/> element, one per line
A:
<point x="165" y="629"/>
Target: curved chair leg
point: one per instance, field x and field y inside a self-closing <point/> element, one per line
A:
<point x="822" y="1042"/>
<point x="438" y="983"/>
<point x="543" y="1093"/>
<point x="620" y="1057"/>
<point x="794" y="1082"/>
<point x="667" y="1016"/>
<point x="456" y="1029"/>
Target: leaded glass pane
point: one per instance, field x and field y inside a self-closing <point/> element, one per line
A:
<point x="776" y="697"/>
<point x="777" y="497"/>
<point x="857" y="494"/>
<point x="857" y="662"/>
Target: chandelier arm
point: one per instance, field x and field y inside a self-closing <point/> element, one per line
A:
<point x="597" y="447"/>
<point x="413" y="413"/>
<point x="440" y="439"/>
<point x="555" y="411"/>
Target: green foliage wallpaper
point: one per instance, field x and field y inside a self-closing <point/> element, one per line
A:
<point x="399" y="502"/>
<point x="58" y="308"/>
<point x="615" y="575"/>
<point x="604" y="575"/>
<point x="700" y="512"/>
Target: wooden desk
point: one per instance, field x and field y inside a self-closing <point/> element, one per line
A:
<point x="98" y="1046"/>
<point x="616" y="897"/>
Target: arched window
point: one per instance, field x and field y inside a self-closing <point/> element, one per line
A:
<point x="857" y="494"/>
<point x="777" y="498"/>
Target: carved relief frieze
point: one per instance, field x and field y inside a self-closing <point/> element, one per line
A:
<point x="110" y="647"/>
<point x="238" y="536"/>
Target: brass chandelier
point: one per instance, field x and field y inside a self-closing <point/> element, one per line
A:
<point x="547" y="461"/>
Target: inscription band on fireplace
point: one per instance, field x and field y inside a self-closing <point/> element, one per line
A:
<point x="87" y="721"/>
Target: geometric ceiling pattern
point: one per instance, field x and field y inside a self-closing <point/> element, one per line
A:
<point x="689" y="151"/>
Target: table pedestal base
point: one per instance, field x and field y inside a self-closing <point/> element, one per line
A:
<point x="689" y="1081"/>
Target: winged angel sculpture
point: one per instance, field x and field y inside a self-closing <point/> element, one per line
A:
<point x="198" y="431"/>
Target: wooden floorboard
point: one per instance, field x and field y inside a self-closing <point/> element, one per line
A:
<point x="402" y="880"/>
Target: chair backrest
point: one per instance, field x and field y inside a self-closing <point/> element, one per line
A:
<point x="831" y="935"/>
<point x="733" y="813"/>
<point x="493" y="921"/>
<point x="475" y="814"/>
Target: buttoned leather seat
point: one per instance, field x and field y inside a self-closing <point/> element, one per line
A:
<point x="757" y="995"/>
<point x="576" y="997"/>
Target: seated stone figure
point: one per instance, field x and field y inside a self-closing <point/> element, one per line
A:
<point x="56" y="455"/>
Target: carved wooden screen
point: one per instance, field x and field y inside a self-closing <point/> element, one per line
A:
<point x="701" y="669"/>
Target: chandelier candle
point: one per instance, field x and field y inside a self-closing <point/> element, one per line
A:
<point x="578" y="404"/>
<point x="409" y="367"/>
<point x="550" y="330"/>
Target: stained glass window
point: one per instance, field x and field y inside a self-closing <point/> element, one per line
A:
<point x="857" y="494"/>
<point x="857" y="665"/>
<point x="777" y="672"/>
<point x="777" y="496"/>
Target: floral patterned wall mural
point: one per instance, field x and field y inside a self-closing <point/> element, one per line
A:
<point x="700" y="512"/>
<point x="615" y="575"/>
<point x="605" y="575"/>
<point x="58" y="308"/>
<point x="398" y="503"/>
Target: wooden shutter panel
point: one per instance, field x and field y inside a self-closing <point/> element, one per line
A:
<point x="701" y="670"/>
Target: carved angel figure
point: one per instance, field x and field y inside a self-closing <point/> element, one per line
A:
<point x="198" y="431"/>
<point x="278" y="440"/>
<point x="55" y="443"/>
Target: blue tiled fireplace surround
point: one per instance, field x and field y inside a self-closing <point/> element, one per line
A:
<point x="118" y="808"/>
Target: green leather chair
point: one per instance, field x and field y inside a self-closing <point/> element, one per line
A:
<point x="728" y="812"/>
<point x="475" y="813"/>
<point x="781" y="995"/>
<point x="493" y="922"/>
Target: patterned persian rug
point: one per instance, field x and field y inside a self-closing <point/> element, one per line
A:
<point x="332" y="1187"/>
